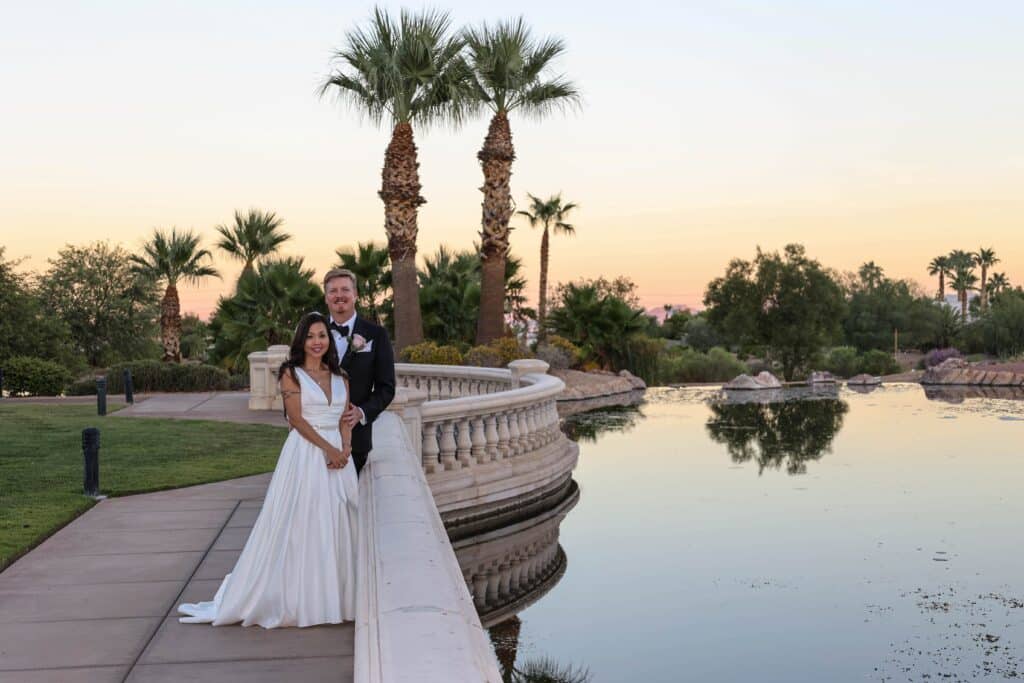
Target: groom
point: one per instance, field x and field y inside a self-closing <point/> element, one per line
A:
<point x="366" y="355"/>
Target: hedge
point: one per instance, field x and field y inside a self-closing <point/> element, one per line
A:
<point x="28" y="376"/>
<point x="153" y="375"/>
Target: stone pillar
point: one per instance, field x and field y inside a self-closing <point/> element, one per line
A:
<point x="406" y="404"/>
<point x="526" y="366"/>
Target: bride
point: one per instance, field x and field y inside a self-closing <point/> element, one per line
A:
<point x="298" y="566"/>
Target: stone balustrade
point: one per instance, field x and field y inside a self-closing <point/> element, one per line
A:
<point x="452" y="381"/>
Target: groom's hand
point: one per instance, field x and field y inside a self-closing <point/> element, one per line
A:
<point x="352" y="416"/>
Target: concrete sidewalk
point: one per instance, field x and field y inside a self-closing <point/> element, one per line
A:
<point x="223" y="406"/>
<point x="97" y="601"/>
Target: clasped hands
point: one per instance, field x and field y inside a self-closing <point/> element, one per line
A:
<point x="337" y="458"/>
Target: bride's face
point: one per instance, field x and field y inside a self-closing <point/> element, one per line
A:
<point x="317" y="341"/>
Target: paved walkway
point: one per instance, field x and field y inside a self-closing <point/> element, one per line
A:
<point x="96" y="602"/>
<point x="224" y="406"/>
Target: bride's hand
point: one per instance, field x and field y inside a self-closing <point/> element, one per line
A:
<point x="346" y="453"/>
<point x="335" y="458"/>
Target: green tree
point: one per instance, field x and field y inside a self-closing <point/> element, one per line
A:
<point x="940" y="266"/>
<point x="254" y="235"/>
<point x="598" y="322"/>
<point x="510" y="70"/>
<point x="550" y="213"/>
<point x="170" y="258"/>
<point x="109" y="309"/>
<point x="964" y="281"/>
<point x="27" y="325"/>
<point x="985" y="259"/>
<point x="264" y="311"/>
<point x="405" y="71"/>
<point x="195" y="337"/>
<point x="450" y="294"/>
<point x="372" y="266"/>
<point x="877" y="306"/>
<point x="787" y="304"/>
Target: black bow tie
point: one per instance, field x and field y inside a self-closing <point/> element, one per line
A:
<point x="342" y="329"/>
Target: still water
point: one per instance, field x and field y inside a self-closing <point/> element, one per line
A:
<point x="796" y="537"/>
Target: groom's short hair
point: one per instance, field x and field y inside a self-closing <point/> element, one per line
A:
<point x="341" y="272"/>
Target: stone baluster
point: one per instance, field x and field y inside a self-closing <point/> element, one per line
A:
<point x="448" y="446"/>
<point x="491" y="434"/>
<point x="479" y="440"/>
<point x="505" y="586"/>
<point x="517" y="574"/>
<point x="514" y="446"/>
<point x="464" y="443"/>
<point x="430" y="448"/>
<point x="524" y="431"/>
<point x="493" y="584"/>
<point x="504" y="437"/>
<point x="480" y="590"/>
<point x="531" y="426"/>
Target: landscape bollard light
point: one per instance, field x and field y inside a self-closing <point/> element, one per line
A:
<point x="101" y="396"/>
<point x="129" y="390"/>
<point x="91" y="456"/>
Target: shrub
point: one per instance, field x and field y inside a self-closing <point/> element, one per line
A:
<point x="238" y="382"/>
<point x="643" y="358"/>
<point x="431" y="354"/>
<point x="82" y="387"/>
<point x="688" y="365"/>
<point x="556" y="357"/>
<point x="483" y="356"/>
<point x="152" y="375"/>
<point x="28" y="376"/>
<point x="842" y="361"/>
<point x="877" y="362"/>
<point x="575" y="352"/>
<point x="936" y="356"/>
<point x="509" y="349"/>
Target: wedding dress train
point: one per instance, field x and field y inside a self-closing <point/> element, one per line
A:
<point x="298" y="566"/>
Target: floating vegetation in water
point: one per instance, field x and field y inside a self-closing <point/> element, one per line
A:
<point x="588" y="426"/>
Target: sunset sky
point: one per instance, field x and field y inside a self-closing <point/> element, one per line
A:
<point x="865" y="130"/>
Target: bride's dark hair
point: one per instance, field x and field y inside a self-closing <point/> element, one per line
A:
<point x="297" y="352"/>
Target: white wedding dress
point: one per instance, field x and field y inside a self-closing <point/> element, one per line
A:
<point x="298" y="566"/>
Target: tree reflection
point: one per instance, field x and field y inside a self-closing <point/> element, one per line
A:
<point x="777" y="434"/>
<point x="590" y="425"/>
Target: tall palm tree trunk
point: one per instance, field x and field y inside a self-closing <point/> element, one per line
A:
<point x="400" y="191"/>
<point x="963" y="305"/>
<point x="496" y="157"/>
<point x="542" y="305"/>
<point x="942" y="286"/>
<point x="984" y="289"/>
<point x="170" y="325"/>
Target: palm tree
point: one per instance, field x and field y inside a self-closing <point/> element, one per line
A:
<point x="998" y="284"/>
<point x="960" y="260"/>
<point x="253" y="236"/>
<point x="985" y="259"/>
<point x="172" y="257"/>
<point x="510" y="73"/>
<point x="550" y="213"/>
<point x="871" y="275"/>
<point x="264" y="310"/>
<point x="940" y="266"/>
<point x="371" y="265"/>
<point x="964" y="280"/>
<point x="404" y="71"/>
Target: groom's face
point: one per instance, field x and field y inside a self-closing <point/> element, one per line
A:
<point x="341" y="298"/>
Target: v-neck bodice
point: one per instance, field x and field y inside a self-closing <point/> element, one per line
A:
<point x="316" y="409"/>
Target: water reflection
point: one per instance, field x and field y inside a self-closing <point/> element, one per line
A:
<point x="587" y="427"/>
<point x="774" y="432"/>
<point x="510" y="568"/>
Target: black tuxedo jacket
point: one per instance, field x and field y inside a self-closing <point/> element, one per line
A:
<point x="371" y="379"/>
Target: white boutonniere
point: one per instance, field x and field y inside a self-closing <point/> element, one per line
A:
<point x="357" y="343"/>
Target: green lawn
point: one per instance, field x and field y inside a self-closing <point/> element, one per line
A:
<point x="41" y="462"/>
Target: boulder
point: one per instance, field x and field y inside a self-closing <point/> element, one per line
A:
<point x="952" y="364"/>
<point x="864" y="380"/>
<point x="764" y="380"/>
<point x="633" y="380"/>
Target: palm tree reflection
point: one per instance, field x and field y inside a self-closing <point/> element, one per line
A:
<point x="778" y="433"/>
<point x="588" y="426"/>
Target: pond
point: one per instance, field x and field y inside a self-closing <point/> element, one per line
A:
<point x="797" y="536"/>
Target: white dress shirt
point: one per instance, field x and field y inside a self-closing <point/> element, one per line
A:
<point x="341" y="343"/>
